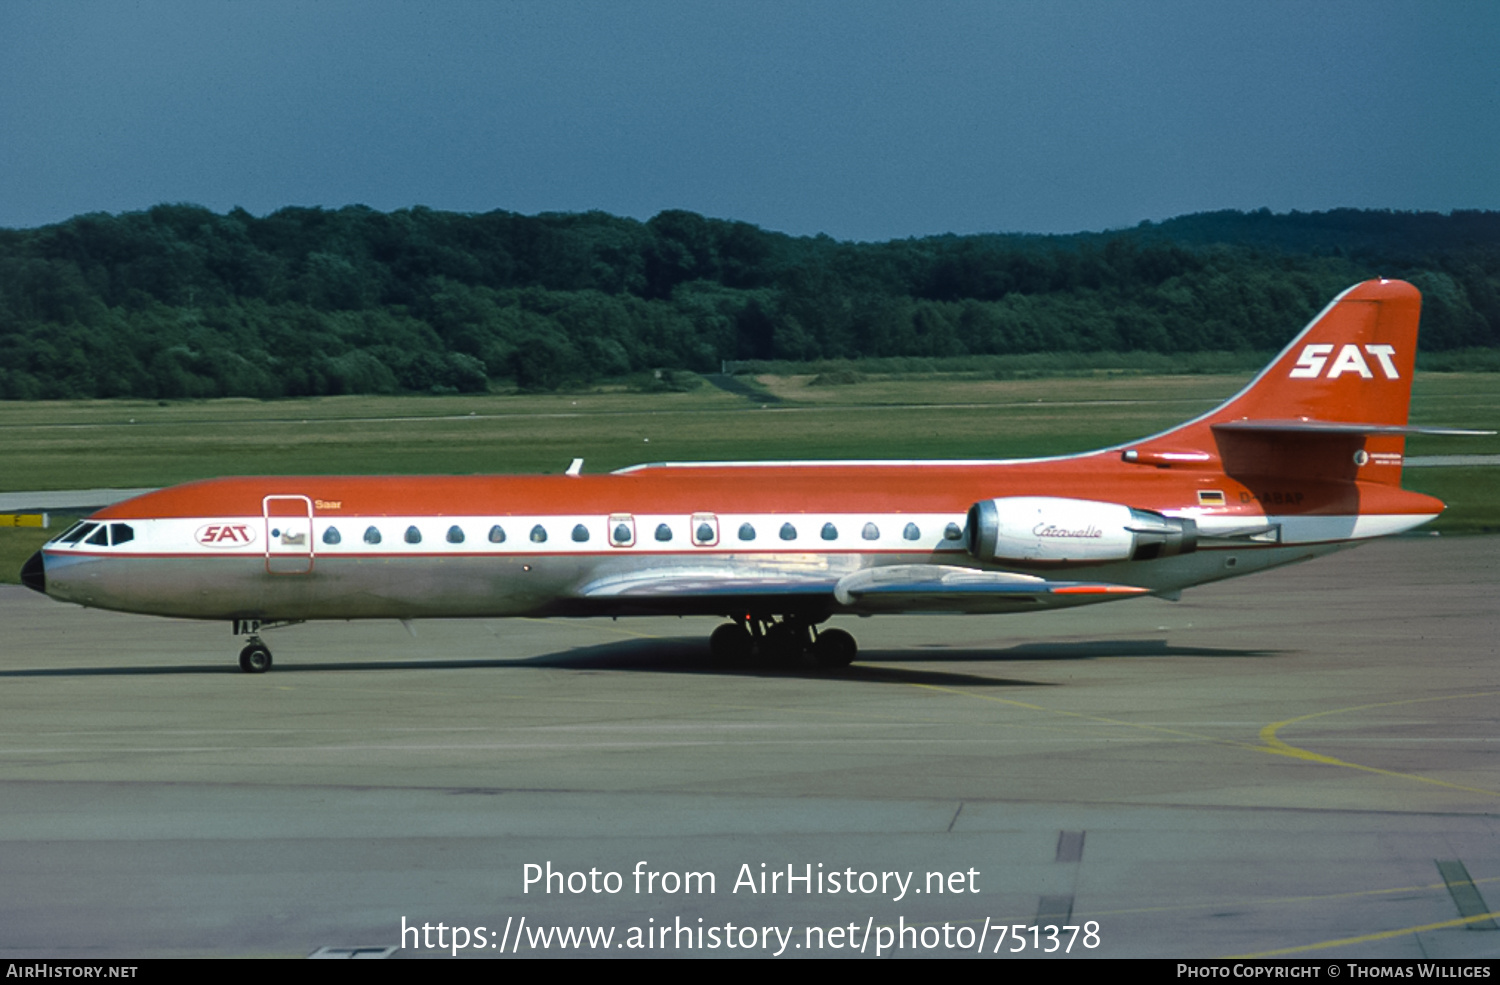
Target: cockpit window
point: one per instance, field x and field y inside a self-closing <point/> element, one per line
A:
<point x="63" y="538"/>
<point x="121" y="533"/>
<point x="77" y="533"/>
<point x="100" y="537"/>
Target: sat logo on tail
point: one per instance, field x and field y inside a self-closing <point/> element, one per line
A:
<point x="1349" y="360"/>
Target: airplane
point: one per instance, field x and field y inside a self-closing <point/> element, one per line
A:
<point x="1305" y="460"/>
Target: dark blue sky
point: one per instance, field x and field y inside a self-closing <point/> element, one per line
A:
<point x="864" y="120"/>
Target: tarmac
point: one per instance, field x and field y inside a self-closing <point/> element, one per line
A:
<point x="1299" y="764"/>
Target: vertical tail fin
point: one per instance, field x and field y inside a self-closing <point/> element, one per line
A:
<point x="1352" y="364"/>
<point x="1332" y="405"/>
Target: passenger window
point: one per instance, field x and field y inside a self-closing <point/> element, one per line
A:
<point x="497" y="534"/>
<point x="413" y="535"/>
<point x="99" y="537"/>
<point x="788" y="532"/>
<point x="705" y="527"/>
<point x="952" y="532"/>
<point x="663" y="532"/>
<point x="121" y="533"/>
<point x="911" y="532"/>
<point x="455" y="534"/>
<point x="870" y="532"/>
<point x="372" y="536"/>
<point x="538" y="535"/>
<point x="580" y="533"/>
<point x="331" y="535"/>
<point x="830" y="532"/>
<point x="622" y="534"/>
<point x="747" y="532"/>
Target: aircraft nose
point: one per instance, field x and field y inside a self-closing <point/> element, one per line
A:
<point x="34" y="574"/>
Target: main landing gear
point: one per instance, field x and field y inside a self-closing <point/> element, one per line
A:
<point x="790" y="642"/>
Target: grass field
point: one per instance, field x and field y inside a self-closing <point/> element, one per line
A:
<point x="85" y="444"/>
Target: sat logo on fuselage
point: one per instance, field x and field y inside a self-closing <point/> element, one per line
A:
<point x="225" y="534"/>
<point x="1349" y="360"/>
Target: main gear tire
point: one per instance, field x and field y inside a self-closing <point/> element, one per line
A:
<point x="834" y="648"/>
<point x="731" y="643"/>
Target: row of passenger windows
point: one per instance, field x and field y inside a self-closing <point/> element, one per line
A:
<point x="331" y="535"/>
<point x="624" y="533"/>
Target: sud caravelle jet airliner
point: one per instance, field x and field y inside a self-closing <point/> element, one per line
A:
<point x="1303" y="461"/>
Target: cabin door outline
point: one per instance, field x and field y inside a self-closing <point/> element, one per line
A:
<point x="289" y="534"/>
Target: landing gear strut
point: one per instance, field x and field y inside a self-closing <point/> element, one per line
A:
<point x="788" y="642"/>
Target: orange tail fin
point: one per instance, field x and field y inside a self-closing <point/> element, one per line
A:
<point x="1334" y="403"/>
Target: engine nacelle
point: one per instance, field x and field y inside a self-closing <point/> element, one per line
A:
<point x="1051" y="529"/>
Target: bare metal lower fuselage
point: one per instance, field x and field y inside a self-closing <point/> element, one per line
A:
<point x="230" y="588"/>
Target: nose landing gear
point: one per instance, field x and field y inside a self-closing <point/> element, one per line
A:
<point x="255" y="658"/>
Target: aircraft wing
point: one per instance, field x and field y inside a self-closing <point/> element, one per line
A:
<point x="895" y="588"/>
<point x="947" y="588"/>
<point x="678" y="583"/>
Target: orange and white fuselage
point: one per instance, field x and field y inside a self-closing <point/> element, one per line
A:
<point x="1306" y="459"/>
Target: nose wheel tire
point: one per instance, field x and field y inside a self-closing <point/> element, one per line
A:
<point x="255" y="659"/>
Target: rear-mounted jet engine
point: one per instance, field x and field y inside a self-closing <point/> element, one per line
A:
<point x="1050" y="529"/>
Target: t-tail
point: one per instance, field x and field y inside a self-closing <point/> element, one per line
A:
<point x="1332" y="407"/>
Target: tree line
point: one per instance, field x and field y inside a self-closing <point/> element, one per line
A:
<point x="180" y="302"/>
